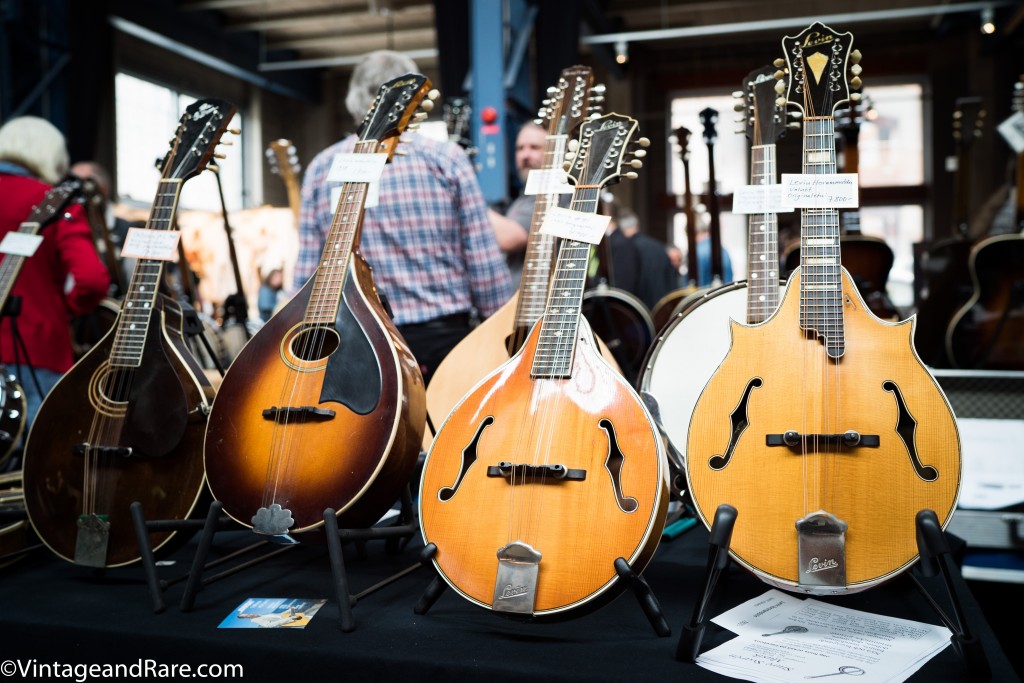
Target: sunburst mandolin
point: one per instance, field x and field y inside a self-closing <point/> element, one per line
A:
<point x="822" y="427"/>
<point x="551" y="468"/>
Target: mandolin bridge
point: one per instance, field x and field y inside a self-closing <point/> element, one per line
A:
<point x="86" y="448"/>
<point x="849" y="439"/>
<point x="301" y="414"/>
<point x="551" y="473"/>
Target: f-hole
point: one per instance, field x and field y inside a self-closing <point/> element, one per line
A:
<point x="906" y="427"/>
<point x="739" y="425"/>
<point x="315" y="343"/>
<point x="445" y="493"/>
<point x="614" y="465"/>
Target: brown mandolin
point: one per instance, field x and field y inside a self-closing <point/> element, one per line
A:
<point x="551" y="468"/>
<point x="988" y="330"/>
<point x="126" y="423"/>
<point x="822" y="427"/>
<point x="495" y="340"/>
<point x="324" y="407"/>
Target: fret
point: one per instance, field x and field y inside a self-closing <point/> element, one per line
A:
<point x="762" y="242"/>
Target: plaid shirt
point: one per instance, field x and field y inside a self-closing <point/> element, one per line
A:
<point x="429" y="241"/>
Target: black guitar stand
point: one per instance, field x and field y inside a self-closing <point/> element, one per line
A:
<point x="395" y="536"/>
<point x="641" y="590"/>
<point x="193" y="329"/>
<point x="11" y="310"/>
<point x="935" y="553"/>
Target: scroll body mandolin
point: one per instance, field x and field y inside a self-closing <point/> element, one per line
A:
<point x="822" y="427"/>
<point x="324" y="407"/>
<point x="551" y="468"/>
<point x="126" y="423"/>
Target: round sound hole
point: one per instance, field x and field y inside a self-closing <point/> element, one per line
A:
<point x="315" y="343"/>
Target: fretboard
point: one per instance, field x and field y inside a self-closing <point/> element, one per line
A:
<point x="533" y="289"/>
<point x="12" y="263"/>
<point x="821" y="286"/>
<point x="762" y="243"/>
<point x="325" y="299"/>
<point x="137" y="307"/>
<point x="556" y="345"/>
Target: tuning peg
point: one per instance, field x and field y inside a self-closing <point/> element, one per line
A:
<point x="433" y="94"/>
<point x="856" y="69"/>
<point x="569" y="156"/>
<point x="234" y="131"/>
<point x="226" y="143"/>
<point x="855" y="56"/>
<point x="780" y="62"/>
<point x="855" y="82"/>
<point x="220" y="156"/>
<point x="413" y="126"/>
<point x="796" y="114"/>
<point x="573" y="145"/>
<point x="213" y="167"/>
<point x="738" y="94"/>
<point x="636" y="163"/>
<point x="599" y="88"/>
<point x="740" y="119"/>
<point x="855" y="96"/>
<point x="740" y="131"/>
<point x="566" y="166"/>
<point x="552" y="90"/>
<point x="643" y="142"/>
<point x="780" y="74"/>
<point x="631" y="175"/>
<point x="420" y="116"/>
<point x="427" y="105"/>
<point x="640" y="153"/>
<point x="739" y="106"/>
<point x="780" y="88"/>
<point x="780" y="102"/>
<point x="793" y="125"/>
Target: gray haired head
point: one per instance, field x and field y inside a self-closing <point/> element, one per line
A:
<point x="375" y="69"/>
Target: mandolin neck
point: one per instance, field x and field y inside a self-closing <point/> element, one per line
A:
<point x="12" y="263"/>
<point x="821" y="286"/>
<point x="556" y="345"/>
<point x="533" y="290"/>
<point x="137" y="308"/>
<point x="325" y="297"/>
<point x="762" y="242"/>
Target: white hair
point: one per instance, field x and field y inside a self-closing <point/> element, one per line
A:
<point x="375" y="69"/>
<point x="37" y="145"/>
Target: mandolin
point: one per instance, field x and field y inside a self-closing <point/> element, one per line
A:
<point x="496" y="339"/>
<point x="12" y="398"/>
<point x="126" y="423"/>
<point x="324" y="407"/>
<point x="691" y="346"/>
<point x="988" y="330"/>
<point x="284" y="162"/>
<point x="551" y="468"/>
<point x="822" y="427"/>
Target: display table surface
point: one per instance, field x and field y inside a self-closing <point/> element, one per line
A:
<point x="54" y="611"/>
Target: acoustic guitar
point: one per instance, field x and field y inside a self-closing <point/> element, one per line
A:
<point x="822" y="427"/>
<point x="694" y="342"/>
<point x="12" y="397"/>
<point x="126" y="423"/>
<point x="503" y="333"/>
<point x="324" y="407"/>
<point x="988" y="330"/>
<point x="551" y="468"/>
<point x="942" y="271"/>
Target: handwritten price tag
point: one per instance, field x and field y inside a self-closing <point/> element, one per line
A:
<point x="1012" y="130"/>
<point x="574" y="225"/>
<point x="758" y="199"/>
<point x="547" y="181"/>
<point x="356" y="168"/>
<point x="158" y="245"/>
<point x="820" y="190"/>
<point x="20" y="244"/>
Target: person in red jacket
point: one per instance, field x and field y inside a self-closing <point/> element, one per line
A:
<point x="63" y="278"/>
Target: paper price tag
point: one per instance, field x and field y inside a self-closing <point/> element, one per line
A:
<point x="20" y="244"/>
<point x="1012" y="130"/>
<point x="547" y="181"/>
<point x="158" y="245"/>
<point x="758" y="199"/>
<point x="356" y="168"/>
<point x="574" y="225"/>
<point x="820" y="190"/>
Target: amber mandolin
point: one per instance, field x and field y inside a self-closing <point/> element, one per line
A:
<point x="324" y="406"/>
<point x="822" y="427"/>
<point x="550" y="469"/>
<point x="126" y="423"/>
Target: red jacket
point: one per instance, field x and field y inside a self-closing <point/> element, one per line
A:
<point x="67" y="250"/>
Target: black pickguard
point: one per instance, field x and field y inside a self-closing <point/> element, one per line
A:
<point x="353" y="375"/>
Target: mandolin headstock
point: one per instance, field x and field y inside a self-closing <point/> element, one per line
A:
<point x="605" y="146"/>
<point x="762" y="115"/>
<point x="395" y="109"/>
<point x="284" y="160"/>
<point x="199" y="131"/>
<point x="817" y="61"/>
<point x="574" y="99"/>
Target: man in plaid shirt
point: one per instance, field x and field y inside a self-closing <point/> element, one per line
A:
<point x="431" y="245"/>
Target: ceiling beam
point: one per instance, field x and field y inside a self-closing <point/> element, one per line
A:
<point x="348" y="60"/>
<point x="409" y="18"/>
<point x="218" y="4"/>
<point x="360" y="42"/>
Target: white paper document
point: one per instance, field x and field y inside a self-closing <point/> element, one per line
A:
<point x="547" y="181"/>
<point x="574" y="225"/>
<point x="782" y="637"/>
<point x="993" y="463"/>
<point x="820" y="190"/>
<point x="749" y="199"/>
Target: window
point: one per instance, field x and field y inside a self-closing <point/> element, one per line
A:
<point x="147" y="118"/>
